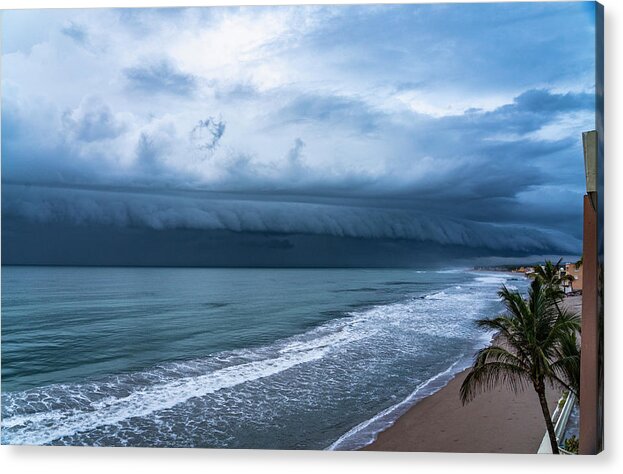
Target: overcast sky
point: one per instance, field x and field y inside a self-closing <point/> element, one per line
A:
<point x="351" y="135"/>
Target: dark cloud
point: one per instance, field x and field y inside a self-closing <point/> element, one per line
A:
<point x="160" y="77"/>
<point x="534" y="108"/>
<point x="92" y="121"/>
<point x="238" y="91"/>
<point x="331" y="109"/>
<point x="294" y="155"/>
<point x="25" y="243"/>
<point x="540" y="101"/>
<point x="36" y="147"/>
<point x="146" y="21"/>
<point x="76" y="32"/>
<point x="207" y="133"/>
<point x="149" y="162"/>
<point x="166" y="211"/>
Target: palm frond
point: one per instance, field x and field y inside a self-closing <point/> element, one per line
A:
<point x="490" y="374"/>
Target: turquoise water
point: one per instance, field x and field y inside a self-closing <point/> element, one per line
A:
<point x="241" y="358"/>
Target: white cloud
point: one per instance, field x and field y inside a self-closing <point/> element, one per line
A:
<point x="565" y="126"/>
<point x="448" y="103"/>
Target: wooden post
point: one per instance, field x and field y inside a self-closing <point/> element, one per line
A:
<point x="590" y="424"/>
<point x="589" y="368"/>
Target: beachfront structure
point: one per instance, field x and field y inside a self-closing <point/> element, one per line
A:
<point x="576" y="272"/>
<point x="525" y="270"/>
<point x="562" y="271"/>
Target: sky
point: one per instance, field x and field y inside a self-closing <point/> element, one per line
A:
<point x="376" y="135"/>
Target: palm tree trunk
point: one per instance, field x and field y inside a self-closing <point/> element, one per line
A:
<point x="540" y="390"/>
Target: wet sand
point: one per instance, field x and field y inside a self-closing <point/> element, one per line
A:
<point x="497" y="421"/>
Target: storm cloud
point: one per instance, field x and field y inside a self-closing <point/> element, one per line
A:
<point x="160" y="77"/>
<point x="451" y="133"/>
<point x="167" y="211"/>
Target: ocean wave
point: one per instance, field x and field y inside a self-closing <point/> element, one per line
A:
<point x="48" y="414"/>
<point x="147" y="400"/>
<point x="439" y="295"/>
<point x="366" y="432"/>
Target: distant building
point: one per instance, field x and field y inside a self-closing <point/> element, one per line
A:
<point x="529" y="271"/>
<point x="526" y="270"/>
<point x="576" y="273"/>
<point x="566" y="269"/>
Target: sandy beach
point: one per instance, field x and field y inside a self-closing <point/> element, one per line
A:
<point x="498" y="421"/>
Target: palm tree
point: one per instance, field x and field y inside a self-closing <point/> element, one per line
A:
<point x="550" y="277"/>
<point x="531" y="349"/>
<point x="549" y="273"/>
<point x="568" y="363"/>
<point x="567" y="280"/>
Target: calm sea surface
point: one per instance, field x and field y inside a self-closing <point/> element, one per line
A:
<point x="239" y="358"/>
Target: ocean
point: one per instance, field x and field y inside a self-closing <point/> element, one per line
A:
<point x="231" y="358"/>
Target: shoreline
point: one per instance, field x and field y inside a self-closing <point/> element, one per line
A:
<point x="496" y="421"/>
<point x="386" y="418"/>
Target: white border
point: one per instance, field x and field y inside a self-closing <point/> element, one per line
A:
<point x="50" y="460"/>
